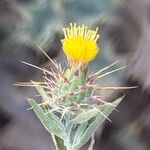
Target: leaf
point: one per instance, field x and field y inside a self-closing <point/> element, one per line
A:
<point x="69" y="131"/>
<point x="72" y="130"/>
<point x="105" y="109"/>
<point x="58" y="142"/>
<point x="51" y="123"/>
<point x="79" y="132"/>
<point x="86" y="115"/>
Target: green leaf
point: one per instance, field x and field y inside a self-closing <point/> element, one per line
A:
<point x="105" y="109"/>
<point x="69" y="131"/>
<point x="79" y="132"/>
<point x="50" y="122"/>
<point x="86" y="115"/>
<point x="58" y="142"/>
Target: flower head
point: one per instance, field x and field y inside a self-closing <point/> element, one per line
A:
<point x="79" y="43"/>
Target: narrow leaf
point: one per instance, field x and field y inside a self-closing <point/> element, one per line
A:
<point x="69" y="129"/>
<point x="86" y="115"/>
<point x="58" y="142"/>
<point x="79" y="132"/>
<point x="49" y="121"/>
<point x="105" y="109"/>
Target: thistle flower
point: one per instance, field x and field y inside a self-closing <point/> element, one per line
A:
<point x="80" y="44"/>
<point x="70" y="109"/>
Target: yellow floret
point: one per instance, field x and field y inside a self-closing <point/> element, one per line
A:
<point x="79" y="43"/>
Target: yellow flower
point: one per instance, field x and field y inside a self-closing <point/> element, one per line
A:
<point x="79" y="43"/>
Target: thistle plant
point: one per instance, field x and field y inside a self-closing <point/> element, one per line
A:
<point x="70" y="108"/>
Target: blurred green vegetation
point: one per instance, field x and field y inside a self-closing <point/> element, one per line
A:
<point x="40" y="21"/>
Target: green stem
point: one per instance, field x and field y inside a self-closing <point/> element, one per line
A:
<point x="58" y="142"/>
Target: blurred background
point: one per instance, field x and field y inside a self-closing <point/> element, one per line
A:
<point x="124" y="26"/>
